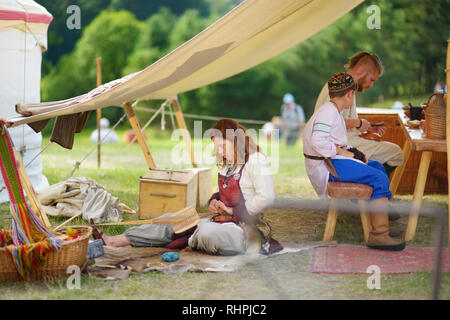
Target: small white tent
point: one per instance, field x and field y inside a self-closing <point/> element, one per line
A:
<point x="23" y="38"/>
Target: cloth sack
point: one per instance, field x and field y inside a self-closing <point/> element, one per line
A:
<point x="85" y="195"/>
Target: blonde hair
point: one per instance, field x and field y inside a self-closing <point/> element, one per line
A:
<point x="365" y="58"/>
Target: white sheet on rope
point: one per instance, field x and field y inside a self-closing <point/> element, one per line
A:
<point x="253" y="32"/>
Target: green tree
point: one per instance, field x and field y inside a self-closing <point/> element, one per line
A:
<point x="152" y="42"/>
<point x="61" y="40"/>
<point x="188" y="25"/>
<point x="143" y="9"/>
<point x="111" y="36"/>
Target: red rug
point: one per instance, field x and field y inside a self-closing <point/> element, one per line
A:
<point x="352" y="259"/>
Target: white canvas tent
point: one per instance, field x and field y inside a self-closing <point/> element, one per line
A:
<point x="253" y="32"/>
<point x="23" y="38"/>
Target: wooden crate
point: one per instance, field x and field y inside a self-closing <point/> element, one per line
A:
<point x="162" y="191"/>
<point x="205" y="187"/>
<point x="437" y="174"/>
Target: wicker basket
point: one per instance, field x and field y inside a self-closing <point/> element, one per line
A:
<point x="435" y="117"/>
<point x="73" y="252"/>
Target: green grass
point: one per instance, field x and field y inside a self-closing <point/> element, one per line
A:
<point x="279" y="277"/>
<point x="387" y="104"/>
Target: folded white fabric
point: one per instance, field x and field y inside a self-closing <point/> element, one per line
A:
<point x="85" y="195"/>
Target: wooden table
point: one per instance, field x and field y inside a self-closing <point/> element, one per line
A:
<point x="416" y="140"/>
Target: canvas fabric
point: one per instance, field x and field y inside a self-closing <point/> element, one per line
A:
<point x="80" y="194"/>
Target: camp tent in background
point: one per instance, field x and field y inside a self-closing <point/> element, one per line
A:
<point x="23" y="38"/>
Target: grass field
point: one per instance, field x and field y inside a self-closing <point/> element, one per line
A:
<point x="279" y="277"/>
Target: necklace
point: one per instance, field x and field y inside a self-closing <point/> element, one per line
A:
<point x="229" y="171"/>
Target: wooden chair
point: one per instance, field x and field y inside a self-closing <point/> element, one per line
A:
<point x="347" y="190"/>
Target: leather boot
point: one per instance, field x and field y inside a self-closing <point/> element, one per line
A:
<point x="379" y="235"/>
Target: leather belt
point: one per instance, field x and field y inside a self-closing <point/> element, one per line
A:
<point x="328" y="163"/>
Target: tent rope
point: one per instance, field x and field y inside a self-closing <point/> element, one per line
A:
<point x="163" y="115"/>
<point x="78" y="163"/>
<point x="160" y="110"/>
<point x="38" y="154"/>
<point x="202" y="117"/>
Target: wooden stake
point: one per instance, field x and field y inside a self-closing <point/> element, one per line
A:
<point x="139" y="136"/>
<point x="99" y="112"/>
<point x="68" y="220"/>
<point x="185" y="132"/>
<point x="448" y="125"/>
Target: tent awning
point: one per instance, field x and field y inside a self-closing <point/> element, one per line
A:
<point x="251" y="33"/>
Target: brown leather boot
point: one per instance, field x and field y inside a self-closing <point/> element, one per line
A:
<point x="379" y="235"/>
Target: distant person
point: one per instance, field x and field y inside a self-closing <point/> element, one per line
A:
<point x="365" y="68"/>
<point x="107" y="135"/>
<point x="130" y="136"/>
<point x="272" y="129"/>
<point x="292" y="119"/>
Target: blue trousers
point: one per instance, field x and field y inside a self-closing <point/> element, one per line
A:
<point x="372" y="174"/>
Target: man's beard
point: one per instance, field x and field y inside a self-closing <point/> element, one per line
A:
<point x="361" y="82"/>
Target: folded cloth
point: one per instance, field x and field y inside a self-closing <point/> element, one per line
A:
<point x="76" y="195"/>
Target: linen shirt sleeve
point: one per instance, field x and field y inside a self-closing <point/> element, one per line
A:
<point x="263" y="187"/>
<point x="321" y="140"/>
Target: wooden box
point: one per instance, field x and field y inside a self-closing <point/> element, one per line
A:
<point x="205" y="187"/>
<point x="162" y="191"/>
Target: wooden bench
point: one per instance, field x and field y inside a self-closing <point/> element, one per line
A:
<point x="347" y="190"/>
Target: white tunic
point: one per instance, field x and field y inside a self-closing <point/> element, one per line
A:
<point x="324" y="130"/>
<point x="349" y="113"/>
<point x="382" y="151"/>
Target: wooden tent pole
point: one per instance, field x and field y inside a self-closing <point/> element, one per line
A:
<point x="448" y="126"/>
<point x="99" y="112"/>
<point x="185" y="132"/>
<point x="139" y="136"/>
<point x="28" y="187"/>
